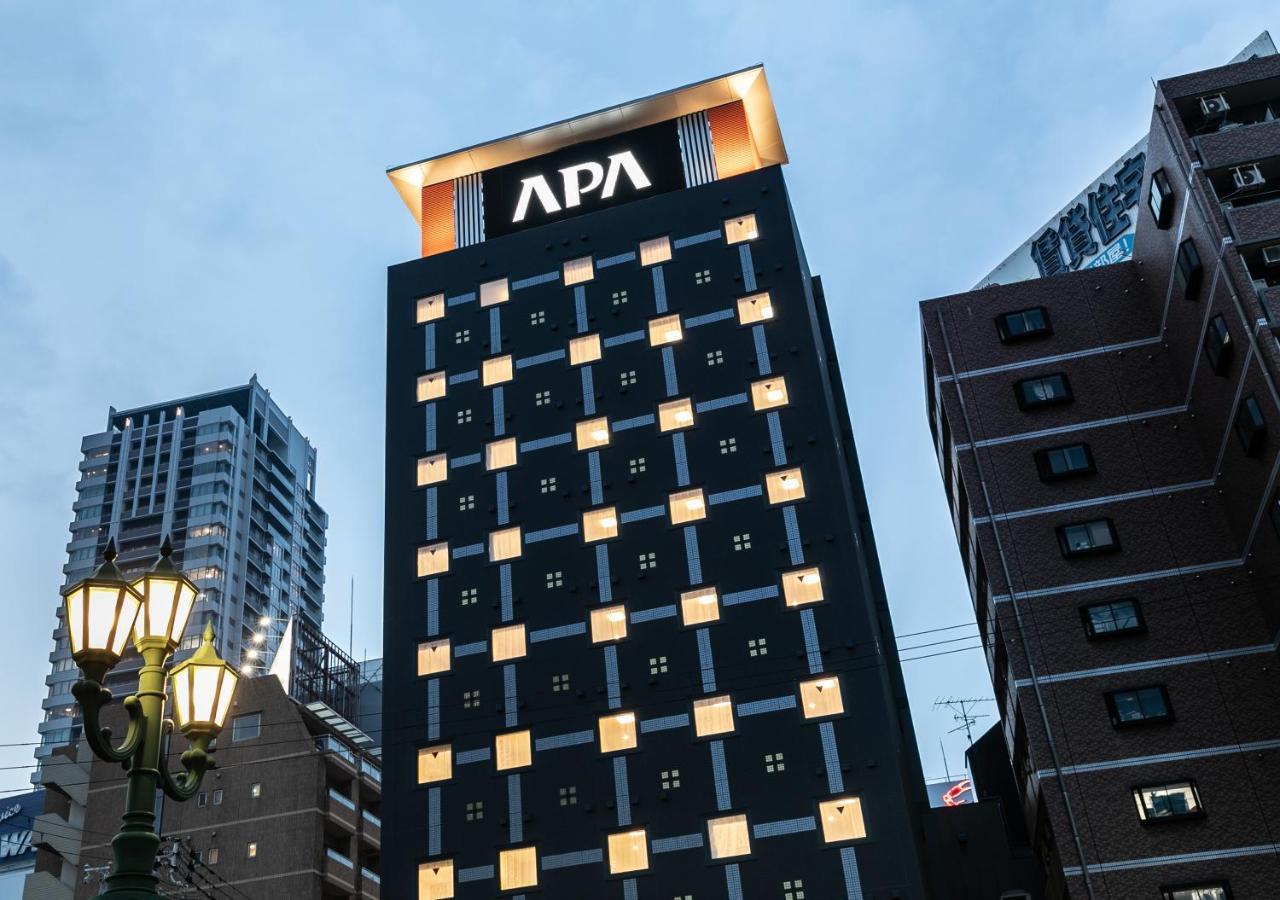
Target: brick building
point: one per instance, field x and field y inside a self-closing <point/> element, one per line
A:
<point x="1103" y="439"/>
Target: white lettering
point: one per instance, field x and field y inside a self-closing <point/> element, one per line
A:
<point x="624" y="162"/>
<point x="574" y="188"/>
<point x="535" y="185"/>
<point x="597" y="178"/>
<point x="15" y="844"/>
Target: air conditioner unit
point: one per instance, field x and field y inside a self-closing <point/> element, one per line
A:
<point x="1271" y="255"/>
<point x="1214" y="107"/>
<point x="1249" y="176"/>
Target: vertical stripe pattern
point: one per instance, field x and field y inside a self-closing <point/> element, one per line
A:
<point x="696" y="152"/>
<point x="468" y="210"/>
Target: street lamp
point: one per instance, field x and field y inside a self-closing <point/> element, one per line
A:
<point x="102" y="612"/>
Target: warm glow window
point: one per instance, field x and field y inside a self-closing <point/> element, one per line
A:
<point x="431" y="386"/>
<point x="584" y="349"/>
<point x="494" y="292"/>
<point x="786" y="486"/>
<point x="599" y="524"/>
<point x="768" y="394"/>
<point x="508" y="642"/>
<point x="713" y="715"/>
<point x="577" y="271"/>
<point x="742" y="228"/>
<point x="729" y="836"/>
<point x="617" y="732"/>
<point x="628" y="852"/>
<point x="687" y="506"/>
<point x="496" y="370"/>
<point x="665" y="330"/>
<point x="435" y="764"/>
<point x="432" y="469"/>
<point x="609" y="623"/>
<point x="699" y="607"/>
<point x="504" y="544"/>
<point x="517" y="868"/>
<point x="842" y="819"/>
<point x="675" y="414"/>
<point x="592" y="433"/>
<point x="433" y="560"/>
<point x="500" y="454"/>
<point x="755" y="308"/>
<point x="434" y="657"/>
<point x="820" y="697"/>
<point x="430" y="308"/>
<point x="435" y="880"/>
<point x="801" y="586"/>
<point x="512" y="751"/>
<point x="657" y="250"/>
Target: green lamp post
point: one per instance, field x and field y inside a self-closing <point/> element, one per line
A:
<point x="102" y="612"/>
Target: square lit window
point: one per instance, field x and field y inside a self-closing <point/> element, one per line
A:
<point x="801" y="586"/>
<point x="500" y="454"/>
<point x="577" y="271"/>
<point x="430" y="308"/>
<point x="821" y="697"/>
<point x="729" y="837"/>
<point x="628" y="851"/>
<point x="584" y="349"/>
<point x="512" y="750"/>
<point x="699" y="606"/>
<point x="431" y="386"/>
<point x="741" y="228"/>
<point x="665" y="330"/>
<point x="713" y="715"/>
<point x="599" y="524"/>
<point x="755" y="308"/>
<point x="494" y="292"/>
<point x="434" y="657"/>
<point x="768" y="394"/>
<point x="609" y="623"/>
<point x="433" y="469"/>
<point x="617" y="732"/>
<point x="842" y="819"/>
<point x="496" y="370"/>
<point x="435" y="880"/>
<point x="675" y="414"/>
<point x="517" y="868"/>
<point x="687" y="506"/>
<point x="433" y="560"/>
<point x="504" y="544"/>
<point x="786" y="486"/>
<point x="508" y="642"/>
<point x="592" y="433"/>
<point x="655" y="251"/>
<point x="435" y="764"/>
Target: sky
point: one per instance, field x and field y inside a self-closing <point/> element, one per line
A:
<point x="193" y="193"/>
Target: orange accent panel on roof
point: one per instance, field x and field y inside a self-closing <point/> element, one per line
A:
<point x="731" y="137"/>
<point x="437" y="218"/>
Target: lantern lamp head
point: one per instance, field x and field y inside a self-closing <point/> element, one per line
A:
<point x="167" y="599"/>
<point x="203" y="687"/>
<point x="100" y="613"/>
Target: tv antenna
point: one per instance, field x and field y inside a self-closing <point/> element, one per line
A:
<point x="962" y="712"/>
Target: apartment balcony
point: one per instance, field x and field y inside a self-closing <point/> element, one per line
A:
<point x="371" y="829"/>
<point x="338" y="755"/>
<point x="339" y="870"/>
<point x="370" y="776"/>
<point x="57" y="834"/>
<point x="1257" y="223"/>
<point x="370" y="884"/>
<point x="1240" y="145"/>
<point x="342" y="810"/>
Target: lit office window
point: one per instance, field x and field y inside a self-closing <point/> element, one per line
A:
<point x="842" y="819"/>
<point x="517" y="868"/>
<point x="577" y="271"/>
<point x="430" y="308"/>
<point x="657" y="250"/>
<point x="628" y="851"/>
<point x="435" y="764"/>
<point x="433" y="559"/>
<point x="821" y="697"/>
<point x="494" y="292"/>
<point x="584" y="349"/>
<point x="432" y="469"/>
<point x="599" y="524"/>
<point x="755" y="308"/>
<point x="1161" y="802"/>
<point x="713" y="715"/>
<point x="496" y="370"/>
<point x="769" y="393"/>
<point x="504" y="544"/>
<point x="699" y="606"/>
<point x="512" y="751"/>
<point x="500" y="454"/>
<point x="435" y="880"/>
<point x="786" y="486"/>
<point x="431" y="386"/>
<point x="742" y="228"/>
<point x="665" y="330"/>
<point x="729" y="837"/>
<point x="675" y="414"/>
<point x="609" y="623"/>
<point x="687" y="506"/>
<point x="592" y="433"/>
<point x="434" y="657"/>
<point x="1212" y="891"/>
<point x="617" y="732"/>
<point x="801" y="586"/>
<point x="508" y="642"/>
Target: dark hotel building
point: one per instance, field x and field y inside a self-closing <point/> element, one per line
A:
<point x="637" y="644"/>
<point x="1106" y="441"/>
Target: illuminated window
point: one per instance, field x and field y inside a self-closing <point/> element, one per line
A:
<point x="496" y="370"/>
<point x="517" y="868"/>
<point x="435" y="880"/>
<point x="842" y="819"/>
<point x="665" y="330"/>
<point x="700" y="606"/>
<point x="464" y="416"/>
<point x="670" y="779"/>
<point x="617" y="732"/>
<point x="576" y="271"/>
<point x="504" y="544"/>
<point x="538" y="317"/>
<point x="430" y="308"/>
<point x="466" y="502"/>
<point x="508" y="642"/>
<point x="475" y="811"/>
<point x="432" y="469"/>
<point x="619" y="298"/>
<point x="494" y="292"/>
<point x="627" y="378"/>
<point x="469" y="596"/>
<point x="713" y="715"/>
<point x="786" y="486"/>
<point x="599" y="524"/>
<point x="500" y="454"/>
<point x="435" y="764"/>
<point x="687" y="506"/>
<point x="628" y="852"/>
<point x="592" y="433"/>
<point x="471" y="699"/>
<point x="512" y="751"/>
<point x="251" y="850"/>
<point x="608" y="623"/>
<point x="433" y="657"/>
<point x="655" y="251"/>
<point x="768" y="394"/>
<point x="703" y="276"/>
<point x="755" y="308"/>
<point x="675" y="414"/>
<point x="584" y="349"/>
<point x="637" y="465"/>
<point x="821" y="697"/>
<point x="801" y="586"/>
<point x="729" y="837"/>
<point x="793" y="890"/>
<point x="657" y="665"/>
<point x="433" y="559"/>
<point x="648" y="561"/>
<point x="462" y="336"/>
<point x="743" y="228"/>
<point x="1162" y="802"/>
<point x="758" y="646"/>
<point x="431" y="386"/>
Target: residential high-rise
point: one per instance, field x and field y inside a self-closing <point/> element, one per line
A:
<point x="636" y="640"/>
<point x="1104" y="441"/>
<point x="230" y="479"/>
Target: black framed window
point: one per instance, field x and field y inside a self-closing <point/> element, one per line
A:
<point x="1023" y="324"/>
<point x="1216" y="890"/>
<point x="1160" y="199"/>
<point x="1046" y="390"/>
<point x="1083" y="538"/>
<point x="1167" y="802"/>
<point x="1055" y="463"/>
<point x="1251" y="428"/>
<point x="1218" y="345"/>
<point x="1113" y="618"/>
<point x="1139" y="706"/>
<point x="1188" y="268"/>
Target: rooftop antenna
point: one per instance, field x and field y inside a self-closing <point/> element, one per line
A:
<point x="962" y="712"/>
<point x="351" y="619"/>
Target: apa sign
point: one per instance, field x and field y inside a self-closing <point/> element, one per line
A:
<point x="596" y="178"/>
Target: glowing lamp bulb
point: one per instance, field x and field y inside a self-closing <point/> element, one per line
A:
<point x="626" y="719"/>
<point x="599" y="434"/>
<point x="264" y="621"/>
<point x="774" y="395"/>
<point x="615" y="616"/>
<point x="790" y="482"/>
<point x="608" y="522"/>
<point x="684" y="416"/>
<point x="672" y="334"/>
<point x="259" y="638"/>
<point x="695" y="503"/>
<point x="766" y="312"/>
<point x="707" y="599"/>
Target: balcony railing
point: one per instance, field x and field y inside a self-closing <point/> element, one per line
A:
<point x="339" y="858"/>
<point x="342" y="799"/>
<point x="371" y="818"/>
<point x="374" y="772"/>
<point x="371" y="876"/>
<point x="330" y="744"/>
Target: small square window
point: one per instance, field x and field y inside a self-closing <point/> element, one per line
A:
<point x="251" y="850"/>
<point x="1212" y="891"/>
<point x="675" y="414"/>
<point x="801" y="586"/>
<point x="608" y="623"/>
<point x="496" y="370"/>
<point x="1218" y="346"/>
<point x="578" y="271"/>
<point x="636" y="466"/>
<point x="702" y="276"/>
<point x="687" y="506"/>
<point x="584" y="349"/>
<point x="1162" y="802"/>
<point x="435" y="880"/>
<point x="670" y="779"/>
<point x="729" y="837"/>
<point x="560" y="683"/>
<point x="755" y="308"/>
<point x="466" y="502"/>
<point x="433" y="560"/>
<point x="212" y="857"/>
<point x="742" y="228"/>
<point x="1188" y="268"/>
<point x="698" y="607"/>
<point x="768" y="394"/>
<point x="842" y="819"/>
<point x="434" y="657"/>
<point x="542" y="398"/>
<point x="665" y="330"/>
<point x="464" y="416"/>
<point x="657" y="665"/>
<point x="786" y="486"/>
<point x="619" y="297"/>
<point x="431" y="386"/>
<point x="1251" y="427"/>
<point x="435" y="764"/>
<point x="432" y="469"/>
<point x="429" y="308"/>
<point x="494" y="292"/>
<point x="617" y="732"/>
<point x="774" y="763"/>
<point x="820" y="697"/>
<point x="500" y="454"/>
<point x="648" y="561"/>
<point x="599" y="524"/>
<point x="1139" y="706"/>
<point x="548" y="485"/>
<point x="628" y="852"/>
<point x="471" y="699"/>
<point x="713" y="715"/>
<point x="1048" y="390"/>
<point x="758" y="647"/>
<point x="1023" y="325"/>
<point x="469" y="596"/>
<point x="1113" y="617"/>
<point x="627" y="378"/>
<point x="462" y="336"/>
<point x="538" y="317"/>
<point x="555" y="579"/>
<point x="591" y="433"/>
<point x="517" y="868"/>
<point x="793" y="890"/>
<point x="569" y="796"/>
<point x="742" y="541"/>
<point x="512" y="750"/>
<point x="715" y="358"/>
<point x="255" y="790"/>
<point x="728" y="445"/>
<point x="475" y="811"/>
<point x="504" y="544"/>
<point x="1160" y="200"/>
<point x="508" y="642"/>
<point x="654" y="251"/>
<point x="1057" y="463"/>
<point x="1082" y="538"/>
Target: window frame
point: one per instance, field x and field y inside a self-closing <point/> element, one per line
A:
<point x="1169" y="892"/>
<point x="1119" y="723"/>
<point x="605" y="512"/>
<point x="727" y="816"/>
<point x="1069" y="552"/>
<point x="683" y="498"/>
<point x="432" y="646"/>
<point x="653" y="241"/>
<point x="441" y="547"/>
<point x="1094" y="635"/>
<point x="610" y="837"/>
<point x="497" y="447"/>
<point x="1159" y="190"/>
<point x="506" y="292"/>
<point x="674" y="406"/>
<point x="798" y="574"/>
<point x="633" y="726"/>
<point x="512" y="628"/>
<point x="523" y="886"/>
<point x="1008" y="337"/>
<point x="821" y="716"/>
<point x="433" y="305"/>
<point x="429" y="462"/>
<point x="707" y="703"/>
<point x="526" y="750"/>
<point x="778" y="476"/>
<point x="760" y="390"/>
<point x="500" y="535"/>
<point x="584" y="349"/>
<point x="693" y="597"/>
<point x="1047" y="475"/>
<point x="1219" y="345"/>
<point x="435" y="750"/>
<point x="257" y="726"/>
<point x="738" y="222"/>
<point x="503" y="360"/>
<point x="1252" y="433"/>
<point x="1026" y="405"/>
<point x="1144" y="816"/>
<point x="429" y="380"/>
<point x="820" y="818"/>
<point x="591" y="423"/>
<point x="1188" y="269"/>
<point x="591" y="270"/>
